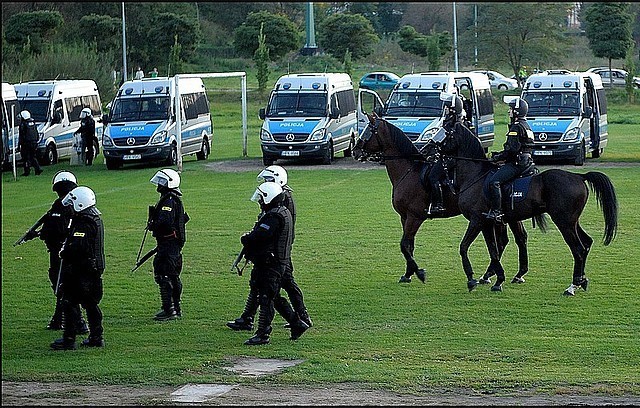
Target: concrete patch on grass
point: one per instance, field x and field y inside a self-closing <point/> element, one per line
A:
<point x="254" y="367"/>
<point x="200" y="392"/>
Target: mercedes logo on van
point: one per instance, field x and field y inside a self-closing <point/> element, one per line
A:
<point x="542" y="136"/>
<point x="131" y="141"/>
<point x="290" y="137"/>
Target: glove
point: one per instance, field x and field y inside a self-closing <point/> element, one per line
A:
<point x="31" y="235"/>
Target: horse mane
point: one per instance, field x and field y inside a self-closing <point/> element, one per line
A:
<point x="469" y="145"/>
<point x="402" y="141"/>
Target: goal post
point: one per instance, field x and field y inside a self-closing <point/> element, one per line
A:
<point x="178" y="106"/>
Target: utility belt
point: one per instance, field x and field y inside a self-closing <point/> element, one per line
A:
<point x="524" y="160"/>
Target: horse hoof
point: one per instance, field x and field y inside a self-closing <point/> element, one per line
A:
<point x="404" y="279"/>
<point x="584" y="284"/>
<point x="496" y="288"/>
<point x="567" y="292"/>
<point x="484" y="281"/>
<point x="471" y="284"/>
<point x="421" y="275"/>
<point x="517" y="279"/>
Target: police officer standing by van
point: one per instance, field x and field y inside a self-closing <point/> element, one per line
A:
<point x="167" y="221"/>
<point x="83" y="259"/>
<point x="87" y="131"/>
<point x="28" y="138"/>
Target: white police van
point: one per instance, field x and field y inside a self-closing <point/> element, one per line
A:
<point x="10" y="123"/>
<point x="414" y="105"/>
<point x="309" y="116"/>
<point x="141" y="124"/>
<point x="568" y="115"/>
<point x="55" y="106"/>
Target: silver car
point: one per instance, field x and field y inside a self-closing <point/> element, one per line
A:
<point x="615" y="77"/>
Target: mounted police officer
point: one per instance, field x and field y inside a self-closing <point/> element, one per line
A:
<point x="268" y="247"/>
<point x="28" y="138"/>
<point x="87" y="131"/>
<point x="245" y="322"/>
<point x="516" y="154"/>
<point x="53" y="232"/>
<point x="167" y="221"/>
<point x="83" y="255"/>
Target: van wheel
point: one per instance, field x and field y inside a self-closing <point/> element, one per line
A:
<point x="172" y="160"/>
<point x="580" y="154"/>
<point x="50" y="155"/>
<point x="204" y="151"/>
<point x="267" y="161"/>
<point x="502" y="87"/>
<point x="328" y="156"/>
<point x="112" y="164"/>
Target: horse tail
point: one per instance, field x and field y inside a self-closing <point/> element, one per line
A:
<point x="540" y="221"/>
<point x="601" y="185"/>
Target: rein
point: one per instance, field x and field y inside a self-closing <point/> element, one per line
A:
<point x="480" y="177"/>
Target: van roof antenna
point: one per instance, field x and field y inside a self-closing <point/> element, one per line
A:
<point x="413" y="66"/>
<point x="288" y="67"/>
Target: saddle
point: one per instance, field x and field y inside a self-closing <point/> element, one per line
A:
<point x="424" y="180"/>
<point x="515" y="190"/>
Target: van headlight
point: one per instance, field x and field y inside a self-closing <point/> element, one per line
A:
<point x="265" y="136"/>
<point x="317" y="135"/>
<point x="429" y="134"/>
<point x="106" y="141"/>
<point x="159" y="137"/>
<point x="571" y="134"/>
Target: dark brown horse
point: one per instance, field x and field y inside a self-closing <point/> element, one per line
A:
<point x="410" y="199"/>
<point x="560" y="194"/>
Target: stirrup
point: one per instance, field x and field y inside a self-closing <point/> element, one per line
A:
<point x="494" y="215"/>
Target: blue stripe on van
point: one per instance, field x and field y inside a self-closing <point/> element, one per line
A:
<point x="292" y="126"/>
<point x="550" y="125"/>
<point x="411" y="125"/>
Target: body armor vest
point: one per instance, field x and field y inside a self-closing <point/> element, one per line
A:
<point x="283" y="246"/>
<point x="93" y="215"/>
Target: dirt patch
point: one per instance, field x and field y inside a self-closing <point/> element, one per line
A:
<point x="53" y="394"/>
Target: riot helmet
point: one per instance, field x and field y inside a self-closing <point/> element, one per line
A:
<point x="273" y="173"/>
<point x="81" y="198"/>
<point x="85" y="112"/>
<point x="168" y="179"/>
<point x="25" y="115"/>
<point x="267" y="193"/>
<point x="518" y="107"/>
<point x="63" y="182"/>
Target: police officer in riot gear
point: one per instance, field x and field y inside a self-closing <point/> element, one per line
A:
<point x="516" y="154"/>
<point x="168" y="221"/>
<point x="268" y="247"/>
<point x="87" y="131"/>
<point x="53" y="232"/>
<point x="245" y="322"/>
<point x="28" y="138"/>
<point x="83" y="255"/>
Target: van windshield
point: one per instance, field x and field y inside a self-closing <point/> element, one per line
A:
<point x="143" y="108"/>
<point x="552" y="103"/>
<point x="414" y="103"/>
<point x="38" y="108"/>
<point x="298" y="104"/>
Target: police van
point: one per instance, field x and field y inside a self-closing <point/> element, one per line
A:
<point x="55" y="106"/>
<point x="414" y="105"/>
<point x="568" y="115"/>
<point x="10" y="123"/>
<point x="141" y="123"/>
<point x="309" y="116"/>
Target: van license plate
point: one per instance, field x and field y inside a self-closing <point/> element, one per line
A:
<point x="290" y="153"/>
<point x="543" y="153"/>
<point x="132" y="157"/>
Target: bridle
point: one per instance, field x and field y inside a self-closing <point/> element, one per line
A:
<point x="370" y="131"/>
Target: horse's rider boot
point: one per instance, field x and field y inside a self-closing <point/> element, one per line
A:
<point x="64" y="344"/>
<point x="258" y="339"/>
<point x="241" y="323"/>
<point x="93" y="342"/>
<point x="304" y="316"/>
<point x="163" y="315"/>
<point x="437" y="209"/>
<point x="297" y="329"/>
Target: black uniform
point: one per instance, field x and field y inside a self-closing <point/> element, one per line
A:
<point x="53" y="232"/>
<point x="168" y="226"/>
<point x="517" y="157"/>
<point x="28" y="141"/>
<point x="288" y="283"/>
<point x="83" y="255"/>
<point x="268" y="247"/>
<point x="87" y="132"/>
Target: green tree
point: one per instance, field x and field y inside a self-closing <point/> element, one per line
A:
<point x="523" y="32"/>
<point x="348" y="65"/>
<point x="261" y="59"/>
<point x="282" y="34"/>
<point x="341" y="32"/>
<point x="175" y="61"/>
<point x="35" y="27"/>
<point x="105" y="31"/>
<point x="433" y="47"/>
<point x="608" y="28"/>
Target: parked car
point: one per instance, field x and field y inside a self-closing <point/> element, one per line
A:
<point x="499" y="81"/>
<point x="379" y="80"/>
<point x="619" y="76"/>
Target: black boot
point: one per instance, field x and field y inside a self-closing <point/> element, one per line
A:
<point x="264" y="329"/>
<point x="93" y="342"/>
<point x="176" y="295"/>
<point x="297" y="329"/>
<point x="436" y="206"/>
<point x="245" y="321"/>
<point x="167" y="312"/>
<point x="241" y="323"/>
<point x="495" y="198"/>
<point x="64" y="343"/>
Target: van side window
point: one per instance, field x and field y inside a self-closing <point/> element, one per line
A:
<point x="602" y="101"/>
<point x="485" y="102"/>
<point x="195" y="104"/>
<point x="74" y="107"/>
<point x="92" y="102"/>
<point x="57" y="109"/>
<point x="346" y="101"/>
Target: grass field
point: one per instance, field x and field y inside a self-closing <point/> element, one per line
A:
<point x="367" y="327"/>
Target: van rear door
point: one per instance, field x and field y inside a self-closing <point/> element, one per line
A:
<point x="368" y="102"/>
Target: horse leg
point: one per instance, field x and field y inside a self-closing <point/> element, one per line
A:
<point x="410" y="227"/>
<point x="520" y="235"/>
<point x="578" y="250"/>
<point x="502" y="239"/>
<point x="470" y="235"/>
